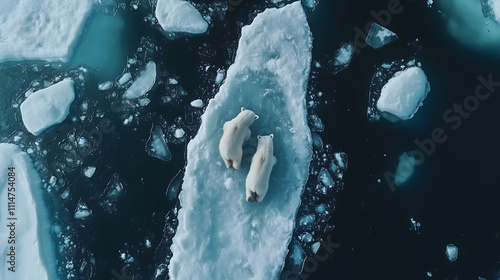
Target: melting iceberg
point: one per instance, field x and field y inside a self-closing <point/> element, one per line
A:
<point x="30" y="226"/>
<point x="451" y="252"/>
<point x="379" y="36"/>
<point x="143" y="83"/>
<point x="404" y="93"/>
<point x="220" y="235"/>
<point x="179" y="16"/>
<point x="406" y="168"/>
<point x="41" y="30"/>
<point x="156" y="146"/>
<point x="47" y="107"/>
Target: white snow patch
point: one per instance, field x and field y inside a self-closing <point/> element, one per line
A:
<point x="217" y="222"/>
<point x="47" y="107"/>
<point x="89" y="171"/>
<point x="198" y="103"/>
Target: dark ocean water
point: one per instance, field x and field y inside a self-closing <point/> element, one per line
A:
<point x="454" y="194"/>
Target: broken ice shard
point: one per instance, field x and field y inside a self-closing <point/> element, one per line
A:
<point x="379" y="36"/>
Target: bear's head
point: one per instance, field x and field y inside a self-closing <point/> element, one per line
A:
<point x="247" y="116"/>
<point x="265" y="139"/>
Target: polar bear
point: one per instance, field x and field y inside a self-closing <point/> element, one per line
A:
<point x="236" y="131"/>
<point x="263" y="161"/>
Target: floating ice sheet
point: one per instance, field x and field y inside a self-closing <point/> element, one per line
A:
<point x="34" y="248"/>
<point x="220" y="235"/>
<point x="143" y="83"/>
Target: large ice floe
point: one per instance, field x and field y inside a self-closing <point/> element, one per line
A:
<point x="32" y="254"/>
<point x="220" y="235"/>
<point x="474" y="23"/>
<point x="41" y="30"/>
<point x="179" y="16"/>
<point x="47" y="107"/>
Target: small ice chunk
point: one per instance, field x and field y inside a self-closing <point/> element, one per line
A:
<point x="404" y="93"/>
<point x="89" y="171"/>
<point x="320" y="209"/>
<point x="82" y="211"/>
<point x="315" y="247"/>
<point x="156" y="146"/>
<point x="143" y="83"/>
<point x="325" y="177"/>
<point x="179" y="133"/>
<point x="306" y="220"/>
<point x="198" y="103"/>
<point x="105" y="85"/>
<point x="124" y="78"/>
<point x="47" y="107"/>
<point x="179" y="16"/>
<point x="343" y="56"/>
<point x="451" y="252"/>
<point x="379" y="36"/>
<point x="220" y="76"/>
<point x="405" y="169"/>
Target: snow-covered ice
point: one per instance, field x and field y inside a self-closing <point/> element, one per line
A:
<point x="34" y="247"/>
<point x="41" y="30"/>
<point x="156" y="146"/>
<point x="47" y="107"/>
<point x="451" y="252"/>
<point x="82" y="211"/>
<point x="379" y="36"/>
<point x="143" y="83"/>
<point x="404" y="93"/>
<point x="220" y="235"/>
<point x="405" y="168"/>
<point x="179" y="16"/>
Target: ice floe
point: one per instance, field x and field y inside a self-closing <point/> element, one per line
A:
<point x="232" y="238"/>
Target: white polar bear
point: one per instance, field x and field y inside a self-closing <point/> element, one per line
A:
<point x="263" y="161"/>
<point x="236" y="131"/>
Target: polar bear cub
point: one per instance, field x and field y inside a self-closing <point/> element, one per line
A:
<point x="263" y="161"/>
<point x="236" y="132"/>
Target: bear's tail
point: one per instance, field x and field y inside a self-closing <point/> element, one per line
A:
<point x="230" y="164"/>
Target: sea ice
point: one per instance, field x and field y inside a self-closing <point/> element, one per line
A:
<point x="198" y="103"/>
<point x="405" y="169"/>
<point x="143" y="83"/>
<point x="404" y="93"/>
<point x="451" y="252"/>
<point x="179" y="16"/>
<point x="34" y="248"/>
<point x="379" y="36"/>
<point x="341" y="58"/>
<point x="47" y="107"/>
<point x="473" y="23"/>
<point x="220" y="235"/>
<point x="89" y="171"/>
<point x="156" y="146"/>
<point x="41" y="30"/>
<point x="82" y="211"/>
<point x="491" y="9"/>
